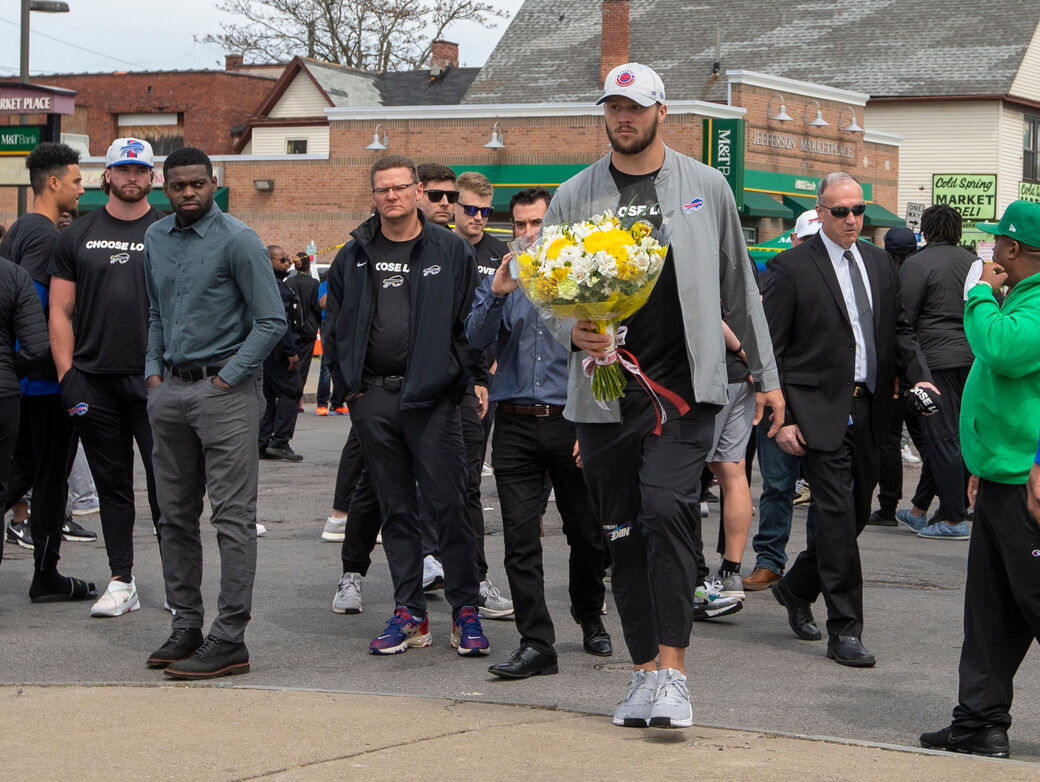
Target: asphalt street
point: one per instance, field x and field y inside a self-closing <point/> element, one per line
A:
<point x="747" y="671"/>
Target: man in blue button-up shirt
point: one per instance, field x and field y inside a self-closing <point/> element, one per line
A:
<point x="531" y="437"/>
<point x="214" y="315"/>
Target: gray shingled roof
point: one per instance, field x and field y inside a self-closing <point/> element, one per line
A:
<point x="416" y="88"/>
<point x="550" y="52"/>
<point x="345" y="86"/>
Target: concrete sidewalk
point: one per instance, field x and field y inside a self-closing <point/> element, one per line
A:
<point x="192" y="732"/>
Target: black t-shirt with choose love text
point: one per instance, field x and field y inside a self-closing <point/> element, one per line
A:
<point x="388" y="341"/>
<point x="656" y="336"/>
<point x="105" y="258"/>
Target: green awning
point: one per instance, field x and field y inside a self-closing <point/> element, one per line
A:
<point x="764" y="251"/>
<point x="800" y="203"/>
<point x="762" y="205"/>
<point x="877" y="215"/>
<point x="95" y="199"/>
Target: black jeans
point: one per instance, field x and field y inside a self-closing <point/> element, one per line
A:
<point x="43" y="456"/>
<point x="405" y="447"/>
<point x="473" y="440"/>
<point x="524" y="448"/>
<point x="9" y="412"/>
<point x="646" y="492"/>
<point x="943" y="472"/>
<point x="282" y="398"/>
<point x="1001" y="604"/>
<point x="116" y="417"/>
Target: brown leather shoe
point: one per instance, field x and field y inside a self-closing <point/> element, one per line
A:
<point x="761" y="578"/>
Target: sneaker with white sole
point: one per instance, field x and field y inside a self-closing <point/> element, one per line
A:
<point x="942" y="530"/>
<point x="730" y="586"/>
<point x="403" y="631"/>
<point x="908" y="521"/>
<point x="120" y="598"/>
<point x="432" y="574"/>
<point x="634" y="710"/>
<point x="802" y="494"/>
<point x="71" y="530"/>
<point x="671" y="707"/>
<point x="909" y="457"/>
<point x="492" y="604"/>
<point x="710" y="603"/>
<point x="348" y="595"/>
<point x="467" y="635"/>
<point x="335" y="529"/>
<point x="261" y="530"/>
<point x="21" y="533"/>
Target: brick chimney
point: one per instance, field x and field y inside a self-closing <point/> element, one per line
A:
<point x="614" y="42"/>
<point x="442" y="55"/>
<point x="232" y="62"/>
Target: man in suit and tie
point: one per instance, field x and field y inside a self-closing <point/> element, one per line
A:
<point x="840" y="341"/>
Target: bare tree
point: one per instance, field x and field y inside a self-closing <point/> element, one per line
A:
<point x="373" y="35"/>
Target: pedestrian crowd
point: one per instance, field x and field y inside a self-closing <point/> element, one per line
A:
<point x="187" y="336"/>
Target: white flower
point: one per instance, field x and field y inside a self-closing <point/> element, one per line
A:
<point x="606" y="264"/>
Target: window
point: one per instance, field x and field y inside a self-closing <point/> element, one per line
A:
<point x="296" y="146"/>
<point x="1031" y="150"/>
<point x="750" y="235"/>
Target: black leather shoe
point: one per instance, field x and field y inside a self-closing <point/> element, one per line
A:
<point x="594" y="637"/>
<point x="847" y="650"/>
<point x="877" y="519"/>
<point x="799" y="612"/>
<point x="526" y="661"/>
<point x="216" y="657"/>
<point x="990" y="741"/>
<point x="182" y="643"/>
<point x="282" y="452"/>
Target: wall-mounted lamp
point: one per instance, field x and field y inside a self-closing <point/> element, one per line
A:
<point x="263" y="185"/>
<point x="853" y="126"/>
<point x="819" y="122"/>
<point x="781" y="115"/>
<point x="496" y="138"/>
<point x="376" y="143"/>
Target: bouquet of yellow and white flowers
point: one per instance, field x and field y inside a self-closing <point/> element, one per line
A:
<point x="598" y="271"/>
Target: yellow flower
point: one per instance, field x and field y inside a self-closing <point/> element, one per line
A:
<point x="557" y="247"/>
<point x="545" y="289"/>
<point x="560" y="273"/>
<point x="613" y="242"/>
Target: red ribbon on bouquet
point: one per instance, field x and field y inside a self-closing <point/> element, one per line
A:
<point x="631" y="363"/>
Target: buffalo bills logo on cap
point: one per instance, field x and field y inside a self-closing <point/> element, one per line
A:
<point x="625" y="79"/>
<point x="80" y="409"/>
<point x="693" y="205"/>
<point x="132" y="149"/>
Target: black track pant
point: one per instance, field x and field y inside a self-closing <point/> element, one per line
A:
<point x="282" y="399"/>
<point x="9" y="412"/>
<point x="943" y="472"/>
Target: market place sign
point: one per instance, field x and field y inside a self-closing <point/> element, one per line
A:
<point x="973" y="195"/>
<point x="18" y="140"/>
<point x="22" y="99"/>
<point x="1029" y="191"/>
<point x="802" y="144"/>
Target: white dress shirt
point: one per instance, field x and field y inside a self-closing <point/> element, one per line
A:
<point x="841" y="269"/>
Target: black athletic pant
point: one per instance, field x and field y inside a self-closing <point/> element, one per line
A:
<point x="842" y="482"/>
<point x="9" y="413"/>
<point x="890" y="475"/>
<point x="44" y="453"/>
<point x="473" y="440"/>
<point x="1001" y="604"/>
<point x="646" y="493"/>
<point x="943" y="472"/>
<point x="282" y="394"/>
<point x="524" y="448"/>
<point x="116" y="417"/>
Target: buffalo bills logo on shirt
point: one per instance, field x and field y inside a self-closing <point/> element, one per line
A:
<point x="119" y="258"/>
<point x="1036" y="552"/>
<point x="430" y="270"/>
<point x="132" y="149"/>
<point x="625" y="79"/>
<point x="80" y="409"/>
<point x="393" y="282"/>
<point x="693" y="206"/>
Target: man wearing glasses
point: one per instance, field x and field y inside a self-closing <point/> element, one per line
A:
<point x="439" y="193"/>
<point x="399" y="292"/>
<point x="840" y="341"/>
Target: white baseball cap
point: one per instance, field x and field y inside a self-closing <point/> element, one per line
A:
<point x="807" y="224"/>
<point x="635" y="81"/>
<point x="129" y="150"/>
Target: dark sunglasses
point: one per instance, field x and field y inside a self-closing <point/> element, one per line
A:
<point x="436" y="195"/>
<point x="843" y="211"/>
<point x="471" y="211"/>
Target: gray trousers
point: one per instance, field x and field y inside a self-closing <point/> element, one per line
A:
<point x="205" y="440"/>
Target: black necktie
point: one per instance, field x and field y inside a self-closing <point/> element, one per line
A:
<point x="866" y="318"/>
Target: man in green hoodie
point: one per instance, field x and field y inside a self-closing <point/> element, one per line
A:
<point x="1000" y="412"/>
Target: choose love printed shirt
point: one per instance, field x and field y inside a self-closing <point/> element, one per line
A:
<point x="105" y="258"/>
<point x="388" y="342"/>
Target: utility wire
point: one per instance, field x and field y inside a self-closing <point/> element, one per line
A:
<point x="69" y="43"/>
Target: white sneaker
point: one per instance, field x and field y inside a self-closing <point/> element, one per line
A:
<point x="492" y="604"/>
<point x="119" y="598"/>
<point x="261" y="530"/>
<point x="432" y="574"/>
<point x="909" y="457"/>
<point x="671" y="707"/>
<point x="348" y="595"/>
<point x="634" y="710"/>
<point x="335" y="529"/>
<point x="486" y="471"/>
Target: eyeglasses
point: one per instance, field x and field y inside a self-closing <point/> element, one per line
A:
<point x="399" y="189"/>
<point x="843" y="211"/>
<point x="436" y="196"/>
<point x="471" y="211"/>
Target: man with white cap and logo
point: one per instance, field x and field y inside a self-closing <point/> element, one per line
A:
<point x="98" y="330"/>
<point x="644" y="487"/>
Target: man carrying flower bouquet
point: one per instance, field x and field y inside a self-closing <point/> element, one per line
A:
<point x="645" y="486"/>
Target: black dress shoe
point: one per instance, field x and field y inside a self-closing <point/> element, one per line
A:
<point x="526" y="661"/>
<point x="799" y="612"/>
<point x="182" y="643"/>
<point x="216" y="657"/>
<point x="878" y="519"/>
<point x="594" y="637"/>
<point x="282" y="452"/>
<point x="847" y="650"/>
<point x="990" y="741"/>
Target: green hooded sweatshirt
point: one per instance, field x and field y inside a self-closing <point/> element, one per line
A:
<point x="1000" y="409"/>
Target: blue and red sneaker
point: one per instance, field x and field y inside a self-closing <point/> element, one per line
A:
<point x="402" y="630"/>
<point x="467" y="635"/>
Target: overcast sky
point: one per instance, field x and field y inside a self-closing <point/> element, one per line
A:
<point x="99" y="36"/>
